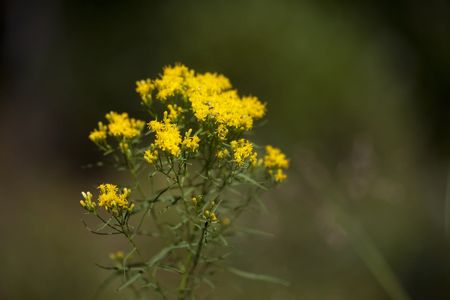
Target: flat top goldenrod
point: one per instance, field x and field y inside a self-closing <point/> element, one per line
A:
<point x="195" y="139"/>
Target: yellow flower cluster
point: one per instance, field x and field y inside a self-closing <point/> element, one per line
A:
<point x="173" y="81"/>
<point x="151" y="156"/>
<point x="118" y="255"/>
<point x="168" y="136"/>
<point x="222" y="132"/>
<point x="98" y="136"/>
<point x="212" y="99"/>
<point x="222" y="153"/>
<point x="191" y="142"/>
<point x="242" y="152"/>
<point x="120" y="125"/>
<point x="145" y="88"/>
<point x="276" y="161"/>
<point x="112" y="199"/>
<point x="174" y="112"/>
<point x="210" y="95"/>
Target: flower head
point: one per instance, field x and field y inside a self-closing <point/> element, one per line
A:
<point x="120" y="125"/>
<point x="276" y="161"/>
<point x="151" y="156"/>
<point x="191" y="143"/>
<point x="274" y="158"/>
<point x="222" y="153"/>
<point x="168" y="136"/>
<point x="145" y="88"/>
<point x="242" y="151"/>
<point x="279" y="175"/>
<point x="112" y="199"/>
<point x="173" y="81"/>
<point x="174" y="112"/>
<point x="98" y="136"/>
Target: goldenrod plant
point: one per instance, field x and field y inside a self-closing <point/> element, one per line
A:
<point x="193" y="172"/>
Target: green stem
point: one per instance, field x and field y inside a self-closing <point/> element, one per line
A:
<point x="184" y="288"/>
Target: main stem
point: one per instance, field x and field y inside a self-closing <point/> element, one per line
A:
<point x="184" y="287"/>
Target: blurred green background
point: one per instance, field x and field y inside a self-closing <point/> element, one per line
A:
<point x="358" y="96"/>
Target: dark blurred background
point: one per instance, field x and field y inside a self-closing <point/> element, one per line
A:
<point x="358" y="96"/>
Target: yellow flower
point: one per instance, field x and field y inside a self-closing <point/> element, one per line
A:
<point x="98" y="136"/>
<point x="174" y="112"/>
<point x="222" y="131"/>
<point x="112" y="200"/>
<point x="222" y="153"/>
<point x="118" y="255"/>
<point x="211" y="97"/>
<point x="168" y="136"/>
<point x="87" y="203"/>
<point x="226" y="221"/>
<point x="120" y="125"/>
<point x="276" y="161"/>
<point x="279" y="175"/>
<point x="191" y="142"/>
<point x="242" y="151"/>
<point x="274" y="158"/>
<point x="173" y="81"/>
<point x="254" y="107"/>
<point x="151" y="156"/>
<point x="145" y="88"/>
<point x="254" y="159"/>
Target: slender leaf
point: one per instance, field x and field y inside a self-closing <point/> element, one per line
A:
<point x="259" y="277"/>
<point x="251" y="180"/>
<point x="130" y="281"/>
<point x="163" y="253"/>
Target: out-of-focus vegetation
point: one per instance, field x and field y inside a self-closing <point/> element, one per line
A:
<point x="358" y="95"/>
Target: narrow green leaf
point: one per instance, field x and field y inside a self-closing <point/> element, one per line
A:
<point x="150" y="284"/>
<point x="208" y="282"/>
<point x="130" y="281"/>
<point x="259" y="277"/>
<point x="251" y="180"/>
<point x="255" y="232"/>
<point x="169" y="268"/>
<point x="263" y="206"/>
<point x="163" y="253"/>
<point x="223" y="240"/>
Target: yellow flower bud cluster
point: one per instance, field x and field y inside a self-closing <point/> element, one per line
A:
<point x="210" y="216"/>
<point x="117" y="256"/>
<point x="87" y="202"/>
